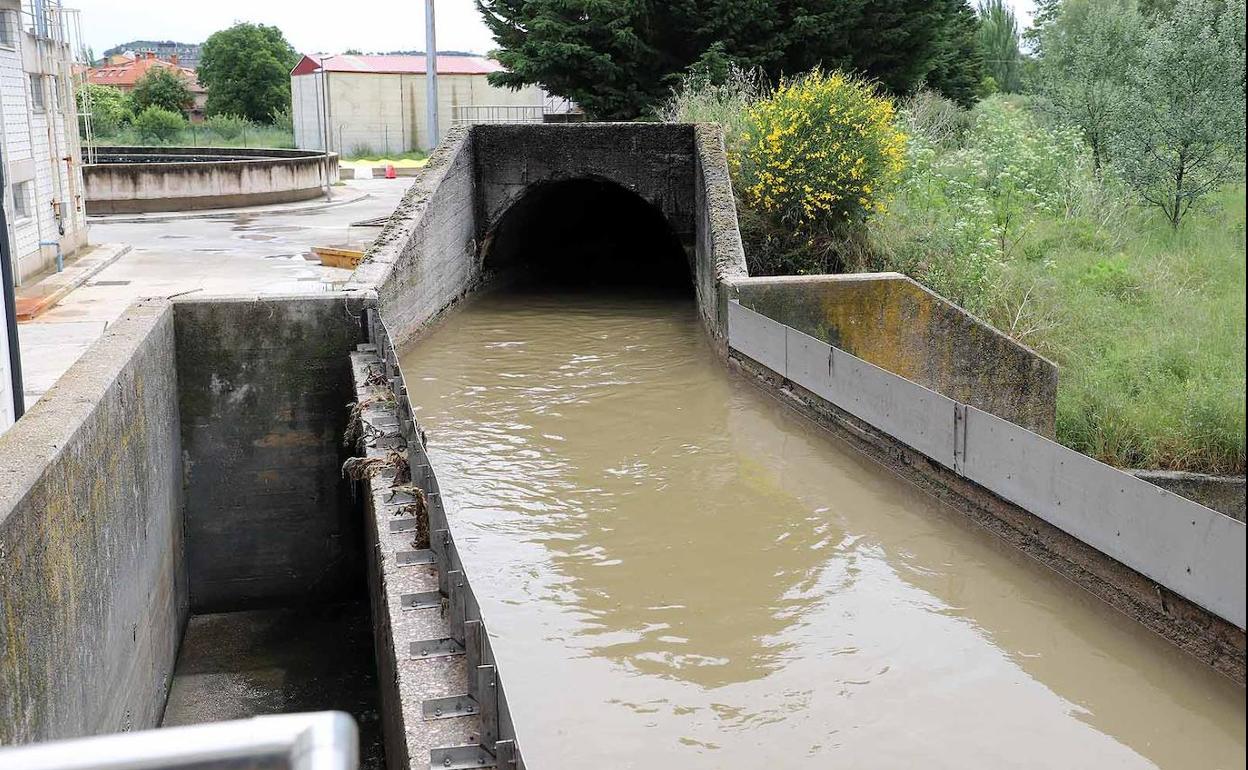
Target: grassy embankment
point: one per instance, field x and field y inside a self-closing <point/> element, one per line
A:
<point x="1147" y="325"/>
<point x="1002" y="213"/>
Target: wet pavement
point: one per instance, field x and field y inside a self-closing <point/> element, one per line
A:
<point x="236" y="253"/>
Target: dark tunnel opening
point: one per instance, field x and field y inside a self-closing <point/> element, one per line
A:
<point x="587" y="233"/>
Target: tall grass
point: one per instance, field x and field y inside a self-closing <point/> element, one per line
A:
<point x="1004" y="215"/>
<point x="1148" y="327"/>
<point x="697" y="100"/>
<point x="232" y="132"/>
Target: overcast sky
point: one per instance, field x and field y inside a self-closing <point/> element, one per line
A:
<point x="309" y="25"/>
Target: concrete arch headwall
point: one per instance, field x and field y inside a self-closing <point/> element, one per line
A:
<point x="431" y="253"/>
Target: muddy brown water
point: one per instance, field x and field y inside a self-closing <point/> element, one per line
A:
<point x="678" y="571"/>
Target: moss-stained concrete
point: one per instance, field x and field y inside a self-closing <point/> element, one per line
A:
<point x="92" y="582"/>
<point x="898" y="325"/>
<point x="264" y="385"/>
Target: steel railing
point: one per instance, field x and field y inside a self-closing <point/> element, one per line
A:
<point x="474" y="114"/>
<point x="324" y="740"/>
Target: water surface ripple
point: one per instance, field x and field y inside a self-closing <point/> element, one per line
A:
<point x="680" y="572"/>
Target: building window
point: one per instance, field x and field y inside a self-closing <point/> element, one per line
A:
<point x="21" y="200"/>
<point x="36" y="93"/>
<point x="8" y="29"/>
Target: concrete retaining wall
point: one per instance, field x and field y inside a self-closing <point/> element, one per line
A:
<point x="264" y="385"/>
<point x="1224" y="494"/>
<point x="425" y="258"/>
<point x="92" y="581"/>
<point x="719" y="257"/>
<point x="188" y="178"/>
<point x="898" y="325"/>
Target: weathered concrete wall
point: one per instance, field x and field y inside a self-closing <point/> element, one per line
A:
<point x="898" y="325"/>
<point x="654" y="160"/>
<point x="425" y="258"/>
<point x="156" y="179"/>
<point x="718" y="254"/>
<point x="430" y="253"/>
<point x="92" y="582"/>
<point x="1224" y="494"/>
<point x="264" y="385"/>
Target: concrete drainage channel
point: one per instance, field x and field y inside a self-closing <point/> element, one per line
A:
<point x="191" y="466"/>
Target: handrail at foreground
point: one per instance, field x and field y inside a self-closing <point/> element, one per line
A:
<point x="321" y="740"/>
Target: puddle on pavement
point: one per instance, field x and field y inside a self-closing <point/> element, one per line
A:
<point x="679" y="572"/>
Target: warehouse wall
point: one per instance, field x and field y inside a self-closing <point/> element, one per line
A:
<point x="385" y="112"/>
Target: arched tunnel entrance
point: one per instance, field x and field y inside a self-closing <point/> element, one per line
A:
<point x="587" y="233"/>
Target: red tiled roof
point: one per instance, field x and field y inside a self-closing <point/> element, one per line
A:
<point x="128" y="73"/>
<point x="404" y="65"/>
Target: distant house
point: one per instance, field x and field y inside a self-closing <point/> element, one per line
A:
<point x="123" y="71"/>
<point x="377" y="103"/>
<point x="187" y="53"/>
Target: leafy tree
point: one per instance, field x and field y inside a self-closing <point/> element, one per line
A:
<point x="157" y="125"/>
<point x="1181" y="133"/>
<point x="246" y="70"/>
<point x="110" y="108"/>
<point x="165" y="88"/>
<point x="1087" y="47"/>
<point x="620" y="58"/>
<point x="998" y="44"/>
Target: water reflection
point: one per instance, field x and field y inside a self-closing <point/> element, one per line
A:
<point x="681" y="572"/>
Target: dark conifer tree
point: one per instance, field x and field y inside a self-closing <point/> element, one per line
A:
<point x="620" y="58"/>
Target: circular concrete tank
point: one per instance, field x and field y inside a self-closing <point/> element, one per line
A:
<point x="127" y="180"/>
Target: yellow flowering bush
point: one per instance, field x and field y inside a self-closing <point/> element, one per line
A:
<point x="822" y="151"/>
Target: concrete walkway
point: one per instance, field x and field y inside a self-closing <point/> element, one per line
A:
<point x="265" y="251"/>
<point x="41" y="294"/>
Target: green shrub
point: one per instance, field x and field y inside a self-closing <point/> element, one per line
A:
<point x="158" y="126"/>
<point x="228" y="127"/>
<point x="942" y="122"/>
<point x="979" y="190"/>
<point x="110" y="108"/>
<point x="821" y="152"/>
<point x="283" y="121"/>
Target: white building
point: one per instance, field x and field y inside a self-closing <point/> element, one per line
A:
<point x="376" y="104"/>
<point x="40" y="151"/>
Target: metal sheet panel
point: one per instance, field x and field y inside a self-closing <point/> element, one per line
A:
<point x="757" y="336"/>
<point x="1194" y="551"/>
<point x="918" y="417"/>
